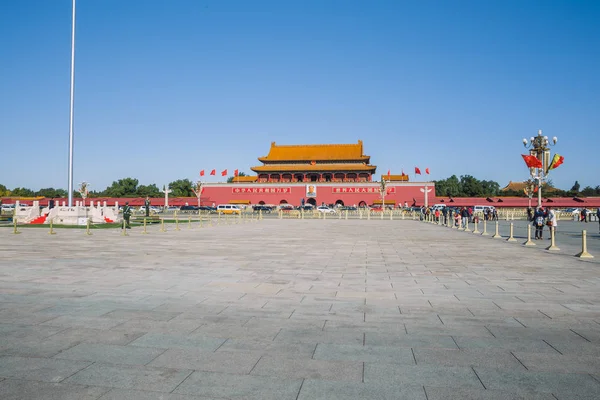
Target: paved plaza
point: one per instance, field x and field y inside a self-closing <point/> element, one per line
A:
<point x="294" y="309"/>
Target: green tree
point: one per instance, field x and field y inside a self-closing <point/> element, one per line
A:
<point x="149" y="190"/>
<point x="22" y="192"/>
<point x="470" y="187"/>
<point x="232" y="178"/>
<point x="126" y="187"/>
<point x="4" y="191"/>
<point x="588" y="191"/>
<point x="51" y="193"/>
<point x="181" y="188"/>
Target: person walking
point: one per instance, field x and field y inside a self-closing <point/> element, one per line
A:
<point x="464" y="213"/>
<point x="538" y="223"/>
<point x="552" y="221"/>
<point x="584" y="215"/>
<point x="127" y="214"/>
<point x="598" y="217"/>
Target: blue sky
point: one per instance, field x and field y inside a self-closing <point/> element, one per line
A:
<point x="164" y="89"/>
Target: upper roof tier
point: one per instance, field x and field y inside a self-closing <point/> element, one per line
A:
<point x="316" y="152"/>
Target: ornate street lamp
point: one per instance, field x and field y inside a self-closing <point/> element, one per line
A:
<point x="382" y="190"/>
<point x="529" y="189"/>
<point x="83" y="190"/>
<point x="197" y="191"/>
<point x="540" y="147"/>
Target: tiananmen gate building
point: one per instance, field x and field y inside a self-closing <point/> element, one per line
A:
<point x="317" y="174"/>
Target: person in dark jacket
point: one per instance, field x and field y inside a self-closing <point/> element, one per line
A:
<point x="538" y="222"/>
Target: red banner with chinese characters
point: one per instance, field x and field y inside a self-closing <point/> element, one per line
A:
<point x="345" y="189"/>
<point x="261" y="190"/>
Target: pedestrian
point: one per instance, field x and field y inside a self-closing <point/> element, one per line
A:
<point x="552" y="221"/>
<point x="598" y="217"/>
<point x="538" y="223"/>
<point x="464" y="214"/>
<point x="127" y="214"/>
<point x="147" y="206"/>
<point x="584" y="217"/>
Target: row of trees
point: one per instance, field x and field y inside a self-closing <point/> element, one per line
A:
<point x="465" y="186"/>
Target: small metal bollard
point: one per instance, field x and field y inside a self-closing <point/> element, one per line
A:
<point x="189" y="221"/>
<point x="529" y="242"/>
<point x="552" y="246"/>
<point x="476" y="231"/>
<point x="145" y="232"/>
<point x="124" y="230"/>
<point x="200" y="220"/>
<point x="584" y="253"/>
<point x="15" y="231"/>
<point x="162" y="225"/>
<point x="497" y="234"/>
<point x="511" y="238"/>
<point x="51" y="228"/>
<point x="87" y="227"/>
<point x="485" y="232"/>
<point x="368" y="214"/>
<point x="177" y="222"/>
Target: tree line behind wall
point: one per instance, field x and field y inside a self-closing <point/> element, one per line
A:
<point x="465" y="186"/>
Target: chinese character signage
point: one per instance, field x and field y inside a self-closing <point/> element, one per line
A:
<point x="261" y="190"/>
<point x="374" y="190"/>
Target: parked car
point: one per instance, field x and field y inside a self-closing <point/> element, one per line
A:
<point x="325" y="210"/>
<point x="263" y="208"/>
<point x="348" y="208"/>
<point x="306" y="207"/>
<point x="207" y="208"/>
<point x="188" y="208"/>
<point x="172" y="209"/>
<point x="153" y="210"/>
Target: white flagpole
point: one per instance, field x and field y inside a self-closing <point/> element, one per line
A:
<point x="70" y="197"/>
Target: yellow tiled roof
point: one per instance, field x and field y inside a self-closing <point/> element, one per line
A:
<point x="395" y="178"/>
<point x="316" y="167"/>
<point x="315" y="152"/>
<point x="244" y="179"/>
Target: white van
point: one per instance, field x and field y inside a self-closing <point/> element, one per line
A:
<point x="228" y="209"/>
<point x="481" y="209"/>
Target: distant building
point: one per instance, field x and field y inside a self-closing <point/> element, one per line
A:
<point x="332" y="174"/>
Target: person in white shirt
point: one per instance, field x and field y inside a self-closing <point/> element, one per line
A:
<point x="553" y="224"/>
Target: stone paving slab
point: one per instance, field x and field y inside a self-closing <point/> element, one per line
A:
<point x="242" y="387"/>
<point x="313" y="310"/>
<point x="16" y="389"/>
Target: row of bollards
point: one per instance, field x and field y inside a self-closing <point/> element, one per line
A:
<point x="529" y="242"/>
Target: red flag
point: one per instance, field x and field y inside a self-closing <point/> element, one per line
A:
<point x="236" y="173"/>
<point x="224" y="172"/>
<point x="201" y="172"/>
<point x="417" y="170"/>
<point x="389" y="176"/>
<point x="532" y="161"/>
<point x="427" y="171"/>
<point x="403" y="174"/>
<point x="213" y="172"/>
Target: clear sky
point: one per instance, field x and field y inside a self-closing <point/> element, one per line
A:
<point x="164" y="89"/>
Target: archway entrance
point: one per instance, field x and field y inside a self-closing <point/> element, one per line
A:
<point x="262" y="203"/>
<point x="362" y="204"/>
<point x="339" y="203"/>
<point x="311" y="201"/>
<point x="283" y="201"/>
